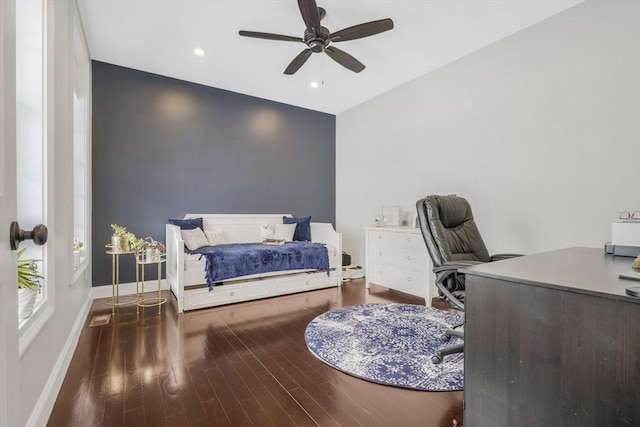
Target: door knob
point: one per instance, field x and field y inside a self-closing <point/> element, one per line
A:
<point x="39" y="235"/>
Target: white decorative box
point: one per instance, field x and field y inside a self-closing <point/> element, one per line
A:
<point x="625" y="233"/>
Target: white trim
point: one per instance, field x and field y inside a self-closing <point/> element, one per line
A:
<point x="32" y="327"/>
<point x="79" y="271"/>
<point x="80" y="71"/>
<point x="43" y="407"/>
<point x="151" y="285"/>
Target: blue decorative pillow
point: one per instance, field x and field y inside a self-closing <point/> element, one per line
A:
<point x="188" y="224"/>
<point x="303" y="227"/>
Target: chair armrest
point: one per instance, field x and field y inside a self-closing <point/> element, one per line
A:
<point x="455" y="265"/>
<point x="499" y="257"/>
<point x="445" y="272"/>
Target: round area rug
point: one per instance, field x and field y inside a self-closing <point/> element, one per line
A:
<point x="389" y="344"/>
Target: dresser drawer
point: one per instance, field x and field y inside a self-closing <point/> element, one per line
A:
<point x="410" y="259"/>
<point x="410" y="241"/>
<point x="411" y="282"/>
<point x="399" y="240"/>
<point x="225" y="294"/>
<point x="381" y="238"/>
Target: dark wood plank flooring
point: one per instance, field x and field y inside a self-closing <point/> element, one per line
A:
<point x="239" y="365"/>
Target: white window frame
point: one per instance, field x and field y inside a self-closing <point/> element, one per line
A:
<point x="81" y="75"/>
<point x="30" y="327"/>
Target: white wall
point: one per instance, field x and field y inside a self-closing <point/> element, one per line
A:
<point x="539" y="131"/>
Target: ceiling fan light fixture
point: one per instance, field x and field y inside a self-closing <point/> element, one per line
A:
<point x="198" y="51"/>
<point x="314" y="84"/>
<point x="316" y="46"/>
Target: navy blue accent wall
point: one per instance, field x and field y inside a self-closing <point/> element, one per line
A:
<point x="164" y="147"/>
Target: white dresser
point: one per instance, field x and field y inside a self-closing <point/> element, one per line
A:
<point x="397" y="257"/>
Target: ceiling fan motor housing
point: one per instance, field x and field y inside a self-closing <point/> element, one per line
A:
<point x="317" y="42"/>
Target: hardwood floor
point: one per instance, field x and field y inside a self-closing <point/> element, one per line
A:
<point x="239" y="365"/>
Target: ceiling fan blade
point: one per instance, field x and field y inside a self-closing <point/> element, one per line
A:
<point x="344" y="59"/>
<point x="310" y="15"/>
<point x="298" y="61"/>
<point x="269" y="36"/>
<point x="362" y="30"/>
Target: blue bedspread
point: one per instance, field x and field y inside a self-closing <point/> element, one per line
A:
<point x="243" y="259"/>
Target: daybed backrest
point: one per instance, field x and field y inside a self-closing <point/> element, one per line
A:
<point x="238" y="228"/>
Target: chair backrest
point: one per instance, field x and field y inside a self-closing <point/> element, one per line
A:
<point x="449" y="230"/>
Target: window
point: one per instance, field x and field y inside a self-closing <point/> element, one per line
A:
<point x="81" y="138"/>
<point x="30" y="127"/>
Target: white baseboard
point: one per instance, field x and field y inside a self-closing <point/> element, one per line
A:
<point x="127" y="288"/>
<point x="43" y="407"/>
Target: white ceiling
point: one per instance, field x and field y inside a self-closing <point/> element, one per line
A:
<point x="159" y="36"/>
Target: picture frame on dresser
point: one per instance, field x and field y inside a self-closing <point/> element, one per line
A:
<point x="391" y="216"/>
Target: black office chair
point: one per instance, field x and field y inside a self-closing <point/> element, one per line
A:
<point x="453" y="242"/>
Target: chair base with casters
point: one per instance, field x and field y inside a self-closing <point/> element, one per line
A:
<point x="439" y="355"/>
<point x="446" y="277"/>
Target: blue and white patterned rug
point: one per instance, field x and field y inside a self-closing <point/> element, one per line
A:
<point x="388" y="344"/>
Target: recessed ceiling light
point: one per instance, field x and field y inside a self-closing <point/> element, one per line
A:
<point x="313" y="84"/>
<point x="198" y="51"/>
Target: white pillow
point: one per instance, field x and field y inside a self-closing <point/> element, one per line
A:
<point x="267" y="231"/>
<point x="216" y="237"/>
<point x="285" y="232"/>
<point x="194" y="239"/>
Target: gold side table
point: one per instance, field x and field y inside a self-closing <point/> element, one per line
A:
<point x="114" y="301"/>
<point x="141" y="263"/>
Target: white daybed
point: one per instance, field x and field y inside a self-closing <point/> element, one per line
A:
<point x="186" y="273"/>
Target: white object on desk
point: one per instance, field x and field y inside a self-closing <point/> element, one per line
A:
<point x="397" y="257"/>
<point x="625" y="233"/>
<point x="631" y="275"/>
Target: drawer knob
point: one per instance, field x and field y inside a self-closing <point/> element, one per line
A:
<point x="306" y="283"/>
<point x="379" y="236"/>
<point x="231" y="294"/>
<point x="409" y="239"/>
<point x="408" y="279"/>
<point x="380" y="272"/>
<point x="408" y="257"/>
<point x="380" y="253"/>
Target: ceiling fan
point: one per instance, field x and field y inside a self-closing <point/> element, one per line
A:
<point x="320" y="39"/>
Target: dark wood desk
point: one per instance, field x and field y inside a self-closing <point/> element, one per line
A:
<point x="552" y="339"/>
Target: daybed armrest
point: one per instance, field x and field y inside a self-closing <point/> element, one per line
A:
<point x="499" y="257"/>
<point x="323" y="232"/>
<point x="175" y="260"/>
